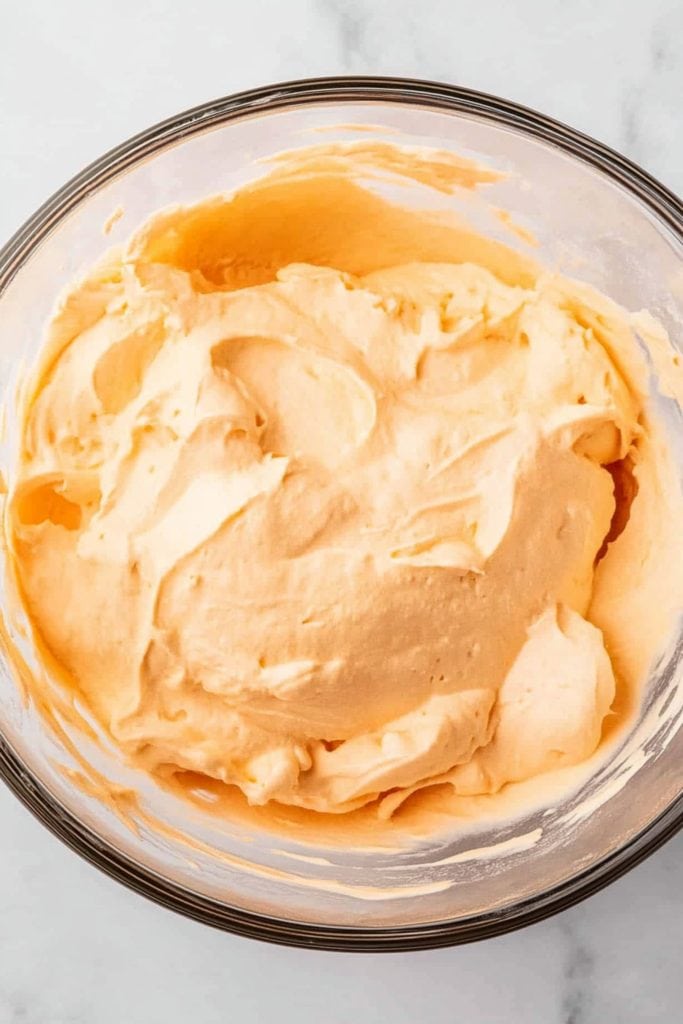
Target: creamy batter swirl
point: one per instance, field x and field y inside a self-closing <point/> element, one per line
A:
<point x="316" y="512"/>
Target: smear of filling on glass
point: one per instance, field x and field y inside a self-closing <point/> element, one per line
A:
<point x="332" y="500"/>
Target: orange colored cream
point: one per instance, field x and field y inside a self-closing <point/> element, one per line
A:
<point x="313" y="488"/>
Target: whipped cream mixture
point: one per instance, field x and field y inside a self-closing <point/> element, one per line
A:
<point x="330" y="500"/>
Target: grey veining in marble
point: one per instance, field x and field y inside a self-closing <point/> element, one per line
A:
<point x="77" y="77"/>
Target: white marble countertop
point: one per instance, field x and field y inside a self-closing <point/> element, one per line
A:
<point x="77" y="77"/>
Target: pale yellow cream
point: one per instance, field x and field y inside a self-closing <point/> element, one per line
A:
<point x="312" y="491"/>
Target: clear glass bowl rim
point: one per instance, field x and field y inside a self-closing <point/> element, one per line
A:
<point x="661" y="202"/>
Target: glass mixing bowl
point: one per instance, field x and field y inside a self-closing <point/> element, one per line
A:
<point x="599" y="218"/>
